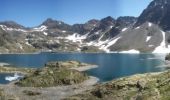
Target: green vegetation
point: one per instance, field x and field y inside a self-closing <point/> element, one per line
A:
<point x="31" y="93"/>
<point x="54" y="74"/>
<point x="137" y="87"/>
<point x="10" y="69"/>
<point x="4" y="96"/>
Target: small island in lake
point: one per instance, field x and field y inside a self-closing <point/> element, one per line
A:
<point x="54" y="78"/>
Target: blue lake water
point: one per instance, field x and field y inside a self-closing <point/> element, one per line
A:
<point x="2" y="77"/>
<point x="110" y="66"/>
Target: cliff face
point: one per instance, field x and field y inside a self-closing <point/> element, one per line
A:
<point x="137" y="87"/>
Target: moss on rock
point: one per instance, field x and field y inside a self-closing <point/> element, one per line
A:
<point x="54" y="74"/>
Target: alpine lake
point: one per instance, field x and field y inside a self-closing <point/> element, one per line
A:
<point x="110" y="65"/>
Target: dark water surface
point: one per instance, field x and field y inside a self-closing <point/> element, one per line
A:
<point x="111" y="66"/>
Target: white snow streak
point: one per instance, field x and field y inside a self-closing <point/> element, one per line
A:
<point x="151" y="45"/>
<point x="149" y="24"/>
<point x="162" y="48"/>
<point x="108" y="44"/>
<point x="76" y="37"/>
<point x="41" y="28"/>
<point x="148" y="38"/>
<point x="3" y="27"/>
<point x="11" y="29"/>
<point x="137" y="27"/>
<point x="131" y="51"/>
<point x="45" y="33"/>
<point x="124" y="29"/>
<point x="63" y="31"/>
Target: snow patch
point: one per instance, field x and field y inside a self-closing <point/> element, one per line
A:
<point x="151" y="45"/>
<point x="12" y="29"/>
<point x="41" y="28"/>
<point x="149" y="24"/>
<point x="63" y="31"/>
<point x="76" y="37"/>
<point x="137" y="27"/>
<point x="113" y="42"/>
<point x="148" y="38"/>
<point x="162" y="48"/>
<point x="124" y="29"/>
<point x="133" y="51"/>
<point x="3" y="27"/>
<point x="111" y="26"/>
<point x="45" y="33"/>
<point x="108" y="44"/>
<point x="96" y="33"/>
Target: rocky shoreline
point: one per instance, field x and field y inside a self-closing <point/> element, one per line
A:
<point x="152" y="86"/>
<point x="52" y="91"/>
<point x="149" y="86"/>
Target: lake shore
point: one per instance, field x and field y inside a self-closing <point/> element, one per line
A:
<point x="53" y="92"/>
<point x="4" y="64"/>
<point x="49" y="93"/>
<point x="152" y="86"/>
<point x="167" y="64"/>
<point x="85" y="68"/>
<point x="112" y="52"/>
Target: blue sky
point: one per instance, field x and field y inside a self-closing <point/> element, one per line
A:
<point x="33" y="12"/>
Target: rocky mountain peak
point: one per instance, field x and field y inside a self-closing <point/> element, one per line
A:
<point x="11" y="24"/>
<point x="108" y="20"/>
<point x="157" y="3"/>
<point x="52" y="22"/>
<point x="158" y="12"/>
<point x="125" y="21"/>
<point x="93" y="22"/>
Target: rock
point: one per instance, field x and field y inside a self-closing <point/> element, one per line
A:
<point x="138" y="87"/>
<point x="167" y="57"/>
<point x="54" y="74"/>
<point x="31" y="93"/>
<point x="141" y="84"/>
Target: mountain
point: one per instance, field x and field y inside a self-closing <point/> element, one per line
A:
<point x="144" y="38"/>
<point x="149" y="33"/>
<point x="53" y="35"/>
<point x="85" y="28"/>
<point x="158" y="13"/>
<point x="11" y="24"/>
